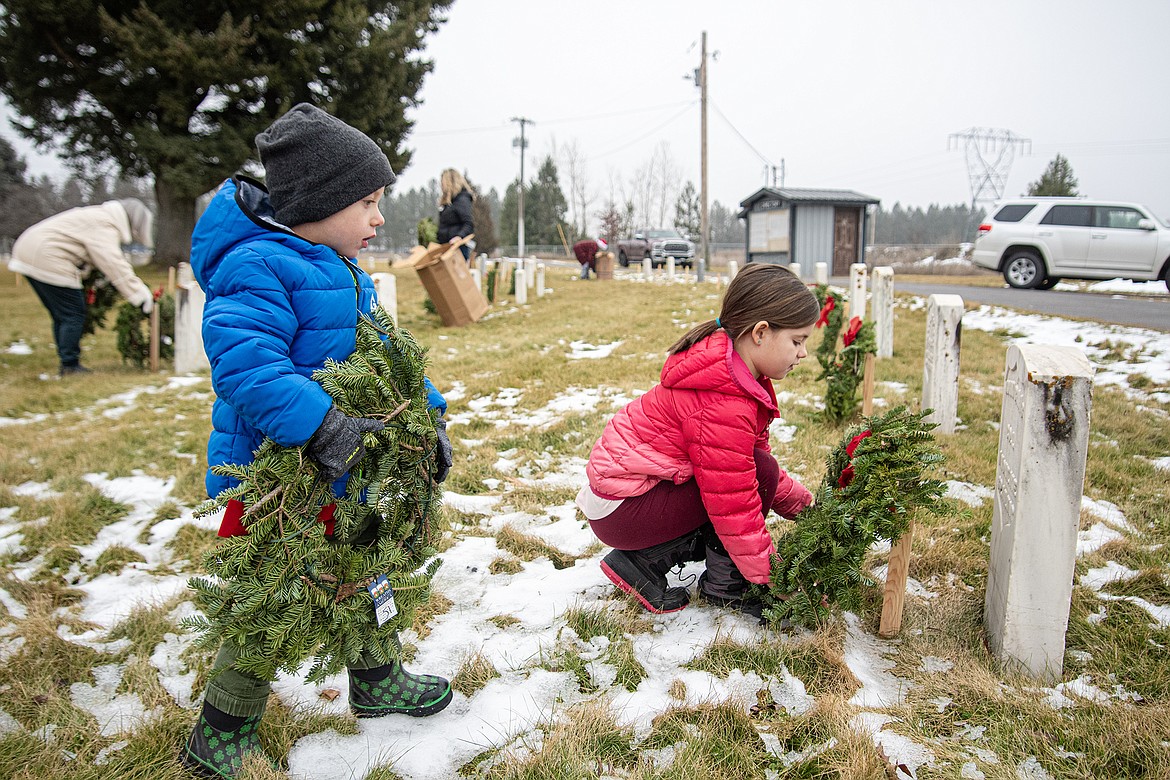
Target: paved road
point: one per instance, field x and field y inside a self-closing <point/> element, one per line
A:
<point x="1144" y="312"/>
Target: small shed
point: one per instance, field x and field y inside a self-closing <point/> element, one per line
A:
<point x="807" y="226"/>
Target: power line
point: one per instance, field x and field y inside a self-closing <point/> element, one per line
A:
<point x="647" y="134"/>
<point x="743" y="138"/>
<point x="563" y="120"/>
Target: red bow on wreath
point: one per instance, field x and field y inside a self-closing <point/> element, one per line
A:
<point x="158" y="293"/>
<point x="830" y="302"/>
<point x="233" y="519"/>
<point x="847" y="472"/>
<point x="851" y="334"/>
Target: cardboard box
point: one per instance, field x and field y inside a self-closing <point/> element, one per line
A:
<point x="447" y="279"/>
<point x="604" y="263"/>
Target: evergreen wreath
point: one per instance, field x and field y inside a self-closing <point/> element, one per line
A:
<point x="286" y="591"/>
<point x="843" y="370"/>
<point x="875" y="479"/>
<point x="133" y="329"/>
<point x="100" y="297"/>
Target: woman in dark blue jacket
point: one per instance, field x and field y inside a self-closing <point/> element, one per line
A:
<point x="455" y="209"/>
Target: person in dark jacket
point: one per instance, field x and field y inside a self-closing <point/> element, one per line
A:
<point x="455" y="209"/>
<point x="284" y="294"/>
<point x="587" y="251"/>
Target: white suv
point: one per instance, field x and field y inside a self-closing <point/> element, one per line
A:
<point x="1035" y="242"/>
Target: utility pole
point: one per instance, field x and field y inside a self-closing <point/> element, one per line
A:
<point x="703" y="222"/>
<point x="522" y="144"/>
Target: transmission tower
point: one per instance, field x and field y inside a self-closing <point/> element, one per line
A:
<point x="989" y="155"/>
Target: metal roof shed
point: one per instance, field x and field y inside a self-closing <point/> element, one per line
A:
<point x="807" y="226"/>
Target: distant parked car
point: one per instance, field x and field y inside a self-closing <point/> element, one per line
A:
<point x="1035" y="242"/>
<point x="657" y="245"/>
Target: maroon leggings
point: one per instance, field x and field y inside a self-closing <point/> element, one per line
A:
<point x="668" y="511"/>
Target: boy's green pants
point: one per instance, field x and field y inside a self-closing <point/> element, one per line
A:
<point x="236" y="693"/>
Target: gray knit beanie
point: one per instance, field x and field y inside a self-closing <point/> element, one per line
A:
<point x="316" y="165"/>
<point x="141" y="221"/>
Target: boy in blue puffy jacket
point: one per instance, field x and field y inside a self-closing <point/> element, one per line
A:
<point x="284" y="294"/>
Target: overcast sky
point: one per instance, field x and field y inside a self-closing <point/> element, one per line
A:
<point x="851" y="94"/>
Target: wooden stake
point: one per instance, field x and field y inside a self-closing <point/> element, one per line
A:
<point x="155" y="337"/>
<point x="171" y="280"/>
<point x="894" y="596"/>
<point x="867" y="381"/>
<point x="564" y="241"/>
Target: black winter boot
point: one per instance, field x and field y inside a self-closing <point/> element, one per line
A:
<point x="219" y="742"/>
<point x="391" y="689"/>
<point x="722" y="584"/>
<point x="642" y="573"/>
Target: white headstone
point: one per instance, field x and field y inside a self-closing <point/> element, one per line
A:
<point x="1039" y="479"/>
<point x="732" y="269"/>
<point x="795" y="269"/>
<point x="477" y="278"/>
<point x="940" y="372"/>
<point x="540" y="280"/>
<point x="185" y="275"/>
<point x="670" y="268"/>
<point x="481" y="265"/>
<point x="647" y="268"/>
<point x="521" y="283"/>
<point x="530" y="271"/>
<point x="883" y="310"/>
<point x="189" y="300"/>
<point x="386" y="286"/>
<point x="858" y="282"/>
<point x="821" y="273"/>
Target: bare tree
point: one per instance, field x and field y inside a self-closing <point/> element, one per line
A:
<point x="666" y="176"/>
<point x="576" y="170"/>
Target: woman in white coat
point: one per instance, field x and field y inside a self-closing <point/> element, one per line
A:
<point x="57" y="253"/>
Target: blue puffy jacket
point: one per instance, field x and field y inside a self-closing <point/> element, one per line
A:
<point x="278" y="306"/>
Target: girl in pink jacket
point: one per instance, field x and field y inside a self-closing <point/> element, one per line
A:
<point x="685" y="472"/>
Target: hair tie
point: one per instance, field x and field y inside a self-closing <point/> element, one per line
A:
<point x="718" y="323"/>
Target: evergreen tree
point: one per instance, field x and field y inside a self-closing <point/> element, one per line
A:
<point x="725" y="226"/>
<point x="545" y="206"/>
<point x="485" y="227"/>
<point x="14" y="193"/>
<point x="1056" y="180"/>
<point x="688" y="217"/>
<point x="510" y="215"/>
<point x="180" y="91"/>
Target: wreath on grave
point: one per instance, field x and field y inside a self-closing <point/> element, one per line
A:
<point x="100" y="297"/>
<point x="297" y="582"/>
<point x="133" y="329"/>
<point x="875" y="479"/>
<point x="842" y="370"/>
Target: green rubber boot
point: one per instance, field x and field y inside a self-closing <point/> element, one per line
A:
<point x="214" y="753"/>
<point x="391" y="689"/>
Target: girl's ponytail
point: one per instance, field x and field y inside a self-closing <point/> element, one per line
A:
<point x="760" y="292"/>
<point x="695" y="335"/>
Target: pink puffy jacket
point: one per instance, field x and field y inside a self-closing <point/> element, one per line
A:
<point x="702" y="421"/>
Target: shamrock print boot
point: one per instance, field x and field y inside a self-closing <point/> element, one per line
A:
<point x="219" y="742"/>
<point x="391" y="689"/>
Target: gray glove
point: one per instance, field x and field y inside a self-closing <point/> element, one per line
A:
<point x="443" y="452"/>
<point x="337" y="445"/>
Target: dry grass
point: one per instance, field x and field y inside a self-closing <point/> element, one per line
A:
<point x="522" y="351"/>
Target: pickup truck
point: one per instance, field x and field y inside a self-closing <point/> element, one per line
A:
<point x="657" y="245"/>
